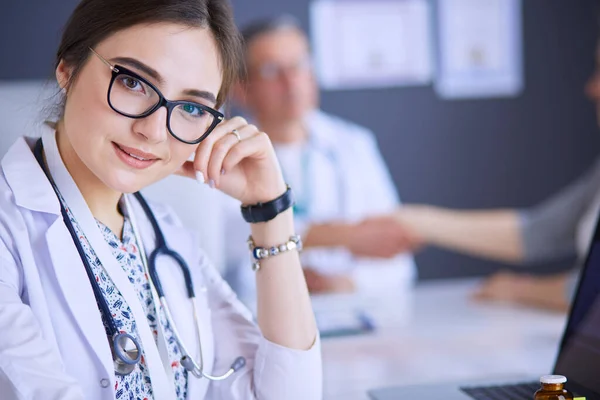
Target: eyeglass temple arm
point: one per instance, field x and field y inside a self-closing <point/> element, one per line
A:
<point x="109" y="65"/>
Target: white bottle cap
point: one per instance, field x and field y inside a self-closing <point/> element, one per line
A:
<point x="553" y="379"/>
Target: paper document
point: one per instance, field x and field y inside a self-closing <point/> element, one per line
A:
<point x="363" y="44"/>
<point x="480" y="45"/>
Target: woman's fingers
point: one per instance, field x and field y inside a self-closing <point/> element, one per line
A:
<point x="223" y="147"/>
<point x="239" y="160"/>
<point x="188" y="170"/>
<point x="217" y="159"/>
<point x="246" y="148"/>
<point x="204" y="150"/>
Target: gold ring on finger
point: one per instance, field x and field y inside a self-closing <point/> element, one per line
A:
<point x="236" y="133"/>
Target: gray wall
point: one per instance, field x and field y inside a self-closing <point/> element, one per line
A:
<point x="483" y="153"/>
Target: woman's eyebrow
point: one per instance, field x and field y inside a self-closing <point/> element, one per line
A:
<point x="203" y="94"/>
<point x="151" y="72"/>
<point x="132" y="62"/>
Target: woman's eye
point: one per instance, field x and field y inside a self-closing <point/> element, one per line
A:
<point x="192" y="109"/>
<point x="131" y="83"/>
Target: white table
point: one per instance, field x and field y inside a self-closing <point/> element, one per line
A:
<point x="438" y="334"/>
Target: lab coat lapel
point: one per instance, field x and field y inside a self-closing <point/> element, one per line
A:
<point x="162" y="387"/>
<point x="77" y="291"/>
<point x="33" y="192"/>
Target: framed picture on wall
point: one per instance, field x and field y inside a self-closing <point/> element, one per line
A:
<point x="371" y="43"/>
<point x="480" y="46"/>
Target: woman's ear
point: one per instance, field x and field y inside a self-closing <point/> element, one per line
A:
<point x="63" y="75"/>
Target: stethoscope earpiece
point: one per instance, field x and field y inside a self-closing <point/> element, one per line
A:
<point x="126" y="353"/>
<point x="238" y="364"/>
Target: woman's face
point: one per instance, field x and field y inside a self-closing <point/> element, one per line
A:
<point x="178" y="60"/>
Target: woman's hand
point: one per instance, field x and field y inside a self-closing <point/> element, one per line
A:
<point x="245" y="168"/>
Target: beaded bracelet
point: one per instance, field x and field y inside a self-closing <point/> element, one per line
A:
<point x="261" y="253"/>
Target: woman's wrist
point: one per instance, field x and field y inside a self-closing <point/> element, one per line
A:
<point x="275" y="231"/>
<point x="264" y="212"/>
<point x="268" y="194"/>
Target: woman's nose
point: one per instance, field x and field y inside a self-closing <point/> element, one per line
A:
<point x="154" y="126"/>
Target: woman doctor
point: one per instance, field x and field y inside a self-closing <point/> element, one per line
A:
<point x="82" y="314"/>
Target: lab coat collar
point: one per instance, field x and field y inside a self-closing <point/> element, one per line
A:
<point x="21" y="169"/>
<point x="27" y="180"/>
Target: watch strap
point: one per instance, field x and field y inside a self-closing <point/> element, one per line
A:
<point x="263" y="212"/>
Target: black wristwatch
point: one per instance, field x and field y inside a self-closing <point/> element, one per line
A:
<point x="263" y="212"/>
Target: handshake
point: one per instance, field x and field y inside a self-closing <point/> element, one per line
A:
<point x="384" y="236"/>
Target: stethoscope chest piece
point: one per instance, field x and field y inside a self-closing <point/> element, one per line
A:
<point x="126" y="353"/>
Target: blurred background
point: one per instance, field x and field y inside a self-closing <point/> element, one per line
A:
<point x="463" y="153"/>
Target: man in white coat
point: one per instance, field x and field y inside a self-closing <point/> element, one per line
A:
<point x="343" y="190"/>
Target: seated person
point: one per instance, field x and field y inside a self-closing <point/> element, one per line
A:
<point x="559" y="227"/>
<point x="344" y="193"/>
<point x="84" y="261"/>
<point x="555" y="229"/>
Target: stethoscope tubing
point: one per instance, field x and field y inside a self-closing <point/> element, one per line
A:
<point x="188" y="362"/>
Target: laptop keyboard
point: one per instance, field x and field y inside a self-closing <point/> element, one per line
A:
<point x="522" y="391"/>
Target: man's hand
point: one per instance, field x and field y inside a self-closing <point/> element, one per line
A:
<point x="380" y="237"/>
<point x="548" y="292"/>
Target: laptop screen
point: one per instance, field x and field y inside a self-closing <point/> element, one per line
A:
<point x="579" y="357"/>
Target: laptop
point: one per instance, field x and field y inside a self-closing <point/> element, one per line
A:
<point x="578" y="358"/>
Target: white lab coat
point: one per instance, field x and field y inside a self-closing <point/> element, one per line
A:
<point x="52" y="341"/>
<point x="349" y="181"/>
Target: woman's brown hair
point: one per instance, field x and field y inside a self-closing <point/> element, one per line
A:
<point x="94" y="20"/>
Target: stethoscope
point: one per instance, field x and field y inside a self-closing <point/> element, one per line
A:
<point x="126" y="349"/>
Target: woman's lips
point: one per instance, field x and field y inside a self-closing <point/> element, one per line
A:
<point x="133" y="157"/>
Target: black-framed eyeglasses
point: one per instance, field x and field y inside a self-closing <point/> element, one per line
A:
<point x="132" y="96"/>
